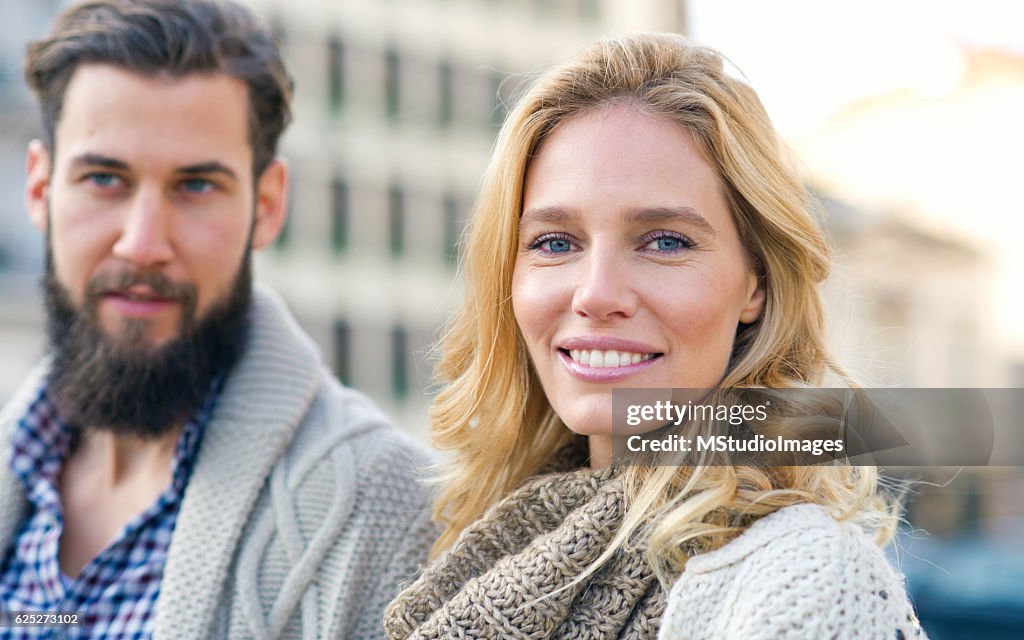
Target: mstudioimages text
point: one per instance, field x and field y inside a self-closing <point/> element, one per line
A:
<point x="665" y="412"/>
<point x="731" y="444"/>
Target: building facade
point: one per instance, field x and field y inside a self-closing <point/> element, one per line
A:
<point x="397" y="106"/>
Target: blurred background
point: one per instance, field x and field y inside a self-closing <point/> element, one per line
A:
<point x="906" y="118"/>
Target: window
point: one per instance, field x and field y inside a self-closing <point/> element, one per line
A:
<point x="279" y="31"/>
<point x="396" y="220"/>
<point x="342" y="351"/>
<point x="451" y="226"/>
<point x="339" y="215"/>
<point x="335" y="74"/>
<point x="499" y="90"/>
<point x="590" y="10"/>
<point x="392" y="84"/>
<point x="399" y="360"/>
<point x="446" y="88"/>
<point x="543" y="8"/>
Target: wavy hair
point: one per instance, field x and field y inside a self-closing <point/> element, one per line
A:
<point x="491" y="402"/>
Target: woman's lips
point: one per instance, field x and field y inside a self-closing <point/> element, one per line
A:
<point x="611" y="364"/>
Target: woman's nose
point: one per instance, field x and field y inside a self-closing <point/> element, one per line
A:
<point x="606" y="288"/>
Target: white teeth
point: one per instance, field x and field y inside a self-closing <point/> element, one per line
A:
<point x="611" y="358"/>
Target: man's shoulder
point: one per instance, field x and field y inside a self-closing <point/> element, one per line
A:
<point x="13" y="409"/>
<point x="344" y="427"/>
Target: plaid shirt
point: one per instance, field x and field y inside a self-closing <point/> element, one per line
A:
<point x="115" y="594"/>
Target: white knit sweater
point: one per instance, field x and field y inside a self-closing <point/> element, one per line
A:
<point x="796" y="573"/>
<point x="304" y="510"/>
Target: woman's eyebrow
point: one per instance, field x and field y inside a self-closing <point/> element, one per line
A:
<point x="684" y="214"/>
<point x="688" y="215"/>
<point x="554" y="213"/>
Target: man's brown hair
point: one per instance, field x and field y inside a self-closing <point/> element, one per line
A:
<point x="172" y="37"/>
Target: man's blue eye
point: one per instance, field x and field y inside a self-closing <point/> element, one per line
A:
<point x="103" y="179"/>
<point x="197" y="185"/>
<point x="558" y="245"/>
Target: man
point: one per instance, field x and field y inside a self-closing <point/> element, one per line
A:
<point x="181" y="464"/>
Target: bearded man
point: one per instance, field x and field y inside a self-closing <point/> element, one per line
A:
<point x="181" y="464"/>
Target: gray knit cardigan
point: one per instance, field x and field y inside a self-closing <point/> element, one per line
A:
<point x="304" y="511"/>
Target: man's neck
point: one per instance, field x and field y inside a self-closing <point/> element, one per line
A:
<point x="108" y="480"/>
<point x="116" y="460"/>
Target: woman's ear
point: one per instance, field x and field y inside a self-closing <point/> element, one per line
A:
<point x="757" y="293"/>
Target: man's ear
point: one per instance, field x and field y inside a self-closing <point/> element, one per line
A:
<point x="37" y="184"/>
<point x="271" y="203"/>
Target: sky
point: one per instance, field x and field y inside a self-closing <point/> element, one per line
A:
<point x="948" y="161"/>
<point x="806" y="58"/>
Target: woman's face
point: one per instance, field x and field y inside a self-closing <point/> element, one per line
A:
<point x="630" y="271"/>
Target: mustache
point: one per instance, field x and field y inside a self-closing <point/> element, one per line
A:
<point x="160" y="284"/>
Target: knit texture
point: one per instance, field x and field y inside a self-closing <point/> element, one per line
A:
<point x="796" y="573"/>
<point x="510" y="574"/>
<point x="304" y="511"/>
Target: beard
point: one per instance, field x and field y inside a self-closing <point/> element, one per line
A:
<point x="125" y="385"/>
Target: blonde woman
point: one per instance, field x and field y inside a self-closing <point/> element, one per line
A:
<point x="639" y="226"/>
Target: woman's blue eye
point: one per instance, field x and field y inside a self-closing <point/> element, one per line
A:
<point x="550" y="243"/>
<point x="669" y="243"/>
<point x="666" y="243"/>
<point x="558" y="245"/>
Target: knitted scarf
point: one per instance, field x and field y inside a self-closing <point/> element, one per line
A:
<point x="508" y="574"/>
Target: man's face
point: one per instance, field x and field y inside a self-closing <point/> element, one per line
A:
<point x="151" y="175"/>
<point x="149" y="203"/>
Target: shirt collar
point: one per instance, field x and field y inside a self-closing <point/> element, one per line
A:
<point x="42" y="440"/>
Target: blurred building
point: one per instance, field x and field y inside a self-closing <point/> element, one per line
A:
<point x="397" y="107"/>
<point x="890" y="320"/>
<point x="21" y="247"/>
<point x="946" y="154"/>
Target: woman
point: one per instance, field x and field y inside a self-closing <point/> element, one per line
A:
<point x="639" y="226"/>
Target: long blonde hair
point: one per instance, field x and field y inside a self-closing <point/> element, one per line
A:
<point x="491" y="410"/>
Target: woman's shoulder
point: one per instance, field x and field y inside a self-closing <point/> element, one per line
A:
<point x="796" y="573"/>
<point x="807" y="528"/>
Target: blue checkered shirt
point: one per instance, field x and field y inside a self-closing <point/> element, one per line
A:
<point x="115" y="594"/>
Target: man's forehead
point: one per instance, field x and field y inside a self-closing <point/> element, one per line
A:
<point x="114" y="112"/>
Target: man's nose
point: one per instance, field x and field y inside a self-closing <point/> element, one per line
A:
<point x="145" y="238"/>
<point x="606" y="288"/>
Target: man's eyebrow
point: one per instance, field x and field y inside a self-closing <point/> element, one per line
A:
<point x="687" y="215"/>
<point x="208" y="167"/>
<point x="97" y="160"/>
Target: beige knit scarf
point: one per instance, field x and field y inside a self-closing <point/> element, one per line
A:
<point x="492" y="583"/>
